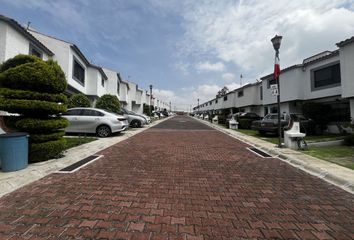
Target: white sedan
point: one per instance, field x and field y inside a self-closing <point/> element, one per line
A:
<point x="94" y="120"/>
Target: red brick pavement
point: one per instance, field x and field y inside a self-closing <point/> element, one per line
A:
<point x="186" y="184"/>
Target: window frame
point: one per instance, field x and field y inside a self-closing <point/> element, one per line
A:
<point x="329" y="65"/>
<point x="240" y="94"/>
<point x="73" y="71"/>
<point x="36" y="49"/>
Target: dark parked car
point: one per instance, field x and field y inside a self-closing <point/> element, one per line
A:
<point x="269" y="124"/>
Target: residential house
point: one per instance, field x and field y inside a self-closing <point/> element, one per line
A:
<point x="325" y="78"/>
<point x="82" y="76"/>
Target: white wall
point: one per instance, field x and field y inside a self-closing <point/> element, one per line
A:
<point x="112" y="82"/>
<point x="2" y="41"/>
<point x="93" y="82"/>
<point x="347" y="70"/>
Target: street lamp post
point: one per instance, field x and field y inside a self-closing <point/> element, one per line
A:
<point x="276" y="44"/>
<point x="150" y="99"/>
<point x="198" y="105"/>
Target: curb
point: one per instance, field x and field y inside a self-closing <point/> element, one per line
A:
<point x="11" y="181"/>
<point x="332" y="173"/>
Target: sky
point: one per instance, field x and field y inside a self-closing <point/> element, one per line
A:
<point x="190" y="49"/>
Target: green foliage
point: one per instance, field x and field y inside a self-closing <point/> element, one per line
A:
<point x="349" y="140"/>
<point x="34" y="88"/>
<point x="148" y="109"/>
<point x="34" y="76"/>
<point x="34" y="125"/>
<point x="38" y="138"/>
<point x="245" y="123"/>
<point x="46" y="150"/>
<point x="18" y="60"/>
<point x="79" y="100"/>
<point x="318" y="112"/>
<point x="31" y="107"/>
<point x="30" y="95"/>
<point x="109" y="103"/>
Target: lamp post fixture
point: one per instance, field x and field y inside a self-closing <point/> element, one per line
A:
<point x="276" y="40"/>
<point x="150" y="99"/>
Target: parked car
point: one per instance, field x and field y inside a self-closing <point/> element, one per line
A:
<point x="133" y="119"/>
<point x="94" y="120"/>
<point x="269" y="124"/>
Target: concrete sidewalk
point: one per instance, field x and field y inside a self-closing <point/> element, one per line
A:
<point x="330" y="172"/>
<point x="10" y="181"/>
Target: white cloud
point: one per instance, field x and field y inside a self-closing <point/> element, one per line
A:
<point x="228" y="76"/>
<point x="207" y="66"/>
<point x="240" y="33"/>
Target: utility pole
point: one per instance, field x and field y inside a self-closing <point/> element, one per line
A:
<point x="150" y="100"/>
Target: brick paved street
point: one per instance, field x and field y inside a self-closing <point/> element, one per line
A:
<point x="179" y="180"/>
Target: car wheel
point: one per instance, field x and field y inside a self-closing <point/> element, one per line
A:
<point x="136" y="123"/>
<point x="103" y="131"/>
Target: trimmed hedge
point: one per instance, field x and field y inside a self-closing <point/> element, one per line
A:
<point x="38" y="138"/>
<point x="18" y="60"/>
<point x="34" y="88"/>
<point x="41" y="125"/>
<point x="46" y="150"/>
<point x="245" y="123"/>
<point x="109" y="103"/>
<point x="79" y="100"/>
<point x="31" y="107"/>
<point x="30" y="95"/>
<point x="349" y="140"/>
<point x="35" y="76"/>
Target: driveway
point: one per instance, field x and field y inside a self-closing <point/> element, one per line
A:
<point x="179" y="180"/>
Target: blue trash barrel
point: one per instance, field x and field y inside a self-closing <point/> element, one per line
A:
<point x="13" y="151"/>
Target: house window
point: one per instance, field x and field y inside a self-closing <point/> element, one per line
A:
<point x="216" y="101"/>
<point x="240" y="93"/>
<point x="225" y="98"/>
<point x="118" y="86"/>
<point x="271" y="82"/>
<point x="35" y="51"/>
<point x="102" y="81"/>
<point x="210" y="103"/>
<point x="78" y="72"/>
<point x="326" y="77"/>
<point x="261" y="92"/>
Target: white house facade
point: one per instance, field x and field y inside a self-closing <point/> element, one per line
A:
<point x="14" y="40"/>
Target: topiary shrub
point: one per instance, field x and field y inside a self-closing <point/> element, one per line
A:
<point x="34" y="89"/>
<point x="79" y="100"/>
<point x="109" y="103"/>
<point x="47" y="150"/>
<point x="349" y="140"/>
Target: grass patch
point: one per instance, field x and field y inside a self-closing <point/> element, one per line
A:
<point x="341" y="155"/>
<point x="76" y="141"/>
<point x="274" y="138"/>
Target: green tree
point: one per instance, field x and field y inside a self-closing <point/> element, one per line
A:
<point x="34" y="88"/>
<point x="109" y="103"/>
<point x="79" y="100"/>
